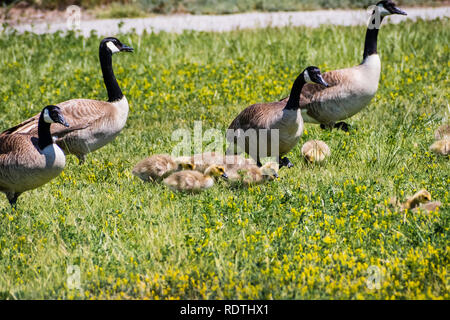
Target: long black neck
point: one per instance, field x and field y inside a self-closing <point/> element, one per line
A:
<point x="44" y="135"/>
<point x="370" y="44"/>
<point x="294" y="97"/>
<point x="114" y="92"/>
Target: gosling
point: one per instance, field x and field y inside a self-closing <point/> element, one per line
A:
<point x="421" y="196"/>
<point x="253" y="175"/>
<point x="160" y="166"/>
<point x="315" y="151"/>
<point x="193" y="181"/>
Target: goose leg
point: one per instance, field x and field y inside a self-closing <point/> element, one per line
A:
<point x="285" y="162"/>
<point x="12" y="198"/>
<point x="81" y="159"/>
<point x="342" y="126"/>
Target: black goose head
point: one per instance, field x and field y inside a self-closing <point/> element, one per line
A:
<point x="113" y="45"/>
<point x="387" y="7"/>
<point x="312" y="75"/>
<point x="53" y="114"/>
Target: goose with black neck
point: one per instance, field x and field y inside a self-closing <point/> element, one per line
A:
<point x="94" y="123"/>
<point x="350" y="89"/>
<point x="284" y="116"/>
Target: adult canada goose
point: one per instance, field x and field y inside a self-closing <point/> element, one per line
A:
<point x="350" y="89"/>
<point x="194" y="181"/>
<point x="93" y="123"/>
<point x="421" y="196"/>
<point x="27" y="162"/>
<point x="264" y="117"/>
<point x="159" y="166"/>
<point x="252" y="174"/>
<point x="315" y="151"/>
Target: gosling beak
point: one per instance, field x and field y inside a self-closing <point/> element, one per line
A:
<point x="396" y="10"/>
<point x="225" y="176"/>
<point x="276" y="175"/>
<point x="321" y="81"/>
<point x="126" y="48"/>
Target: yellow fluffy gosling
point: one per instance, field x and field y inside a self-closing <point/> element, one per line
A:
<point x="252" y="174"/>
<point x="421" y="196"/>
<point x="194" y="181"/>
<point x="315" y="151"/>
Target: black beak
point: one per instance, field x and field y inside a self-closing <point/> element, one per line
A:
<point x="126" y="48"/>
<point x="396" y="10"/>
<point x="320" y="80"/>
<point x="276" y="175"/>
<point x="225" y="176"/>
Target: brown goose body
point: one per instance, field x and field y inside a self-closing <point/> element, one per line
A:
<point x="270" y="116"/>
<point x="350" y="90"/>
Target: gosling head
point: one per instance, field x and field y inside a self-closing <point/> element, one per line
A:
<point x="312" y="75"/>
<point x="113" y="45"/>
<point x="53" y="114"/>
<point x="216" y="171"/>
<point x="270" y="170"/>
<point x="388" y="7"/>
<point x="422" y="196"/>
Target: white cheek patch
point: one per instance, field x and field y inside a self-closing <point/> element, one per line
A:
<point x="112" y="47"/>
<point x="47" y="117"/>
<point x="306" y="76"/>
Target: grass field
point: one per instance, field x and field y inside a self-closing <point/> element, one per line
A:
<point x="312" y="234"/>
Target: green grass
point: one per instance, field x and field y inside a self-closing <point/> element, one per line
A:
<point x="311" y="235"/>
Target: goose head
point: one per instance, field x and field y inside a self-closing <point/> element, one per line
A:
<point x="216" y="171"/>
<point x="113" y="45"/>
<point x="312" y="75"/>
<point x="53" y="114"/>
<point x="388" y="7"/>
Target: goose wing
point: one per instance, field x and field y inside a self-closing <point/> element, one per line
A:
<point x="79" y="113"/>
<point x="258" y="116"/>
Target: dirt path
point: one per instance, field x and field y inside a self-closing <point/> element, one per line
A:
<point x="220" y="23"/>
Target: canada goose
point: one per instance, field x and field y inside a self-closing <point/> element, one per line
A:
<point x="159" y="166"/>
<point x="441" y="147"/>
<point x="421" y="196"/>
<point x="443" y="132"/>
<point x="27" y="162"/>
<point x="194" y="181"/>
<point x="252" y="174"/>
<point x="350" y="89"/>
<point x="315" y="151"/>
<point x="283" y="116"/>
<point x="203" y="160"/>
<point x="93" y="123"/>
